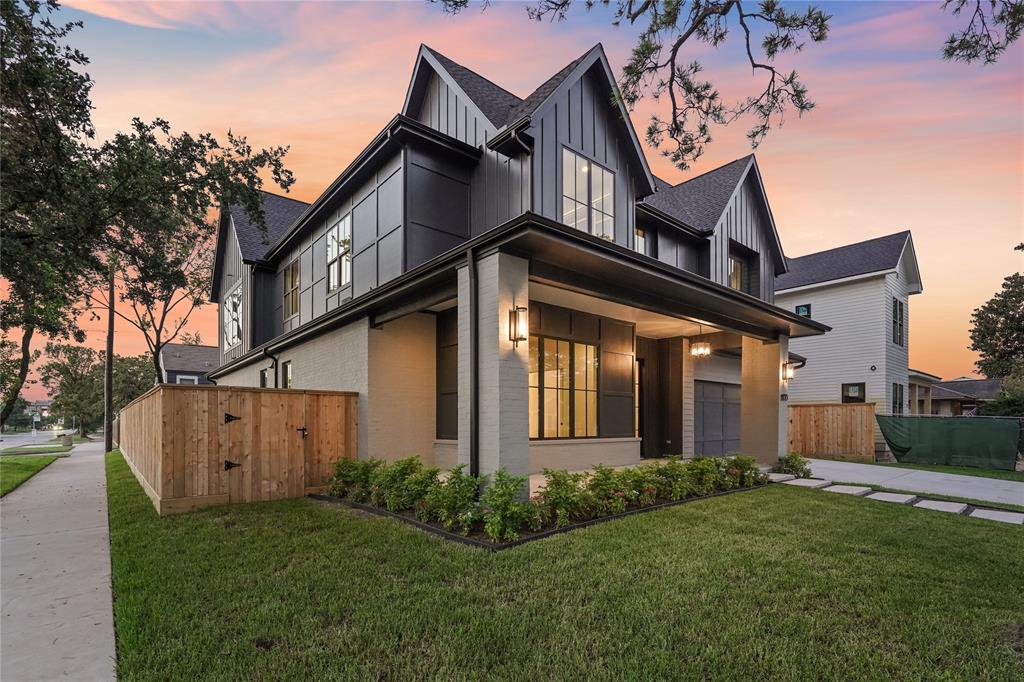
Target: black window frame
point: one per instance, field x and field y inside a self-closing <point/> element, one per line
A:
<point x="265" y="377"/>
<point x="898" y="396"/>
<point x="339" y="266"/>
<point x="898" y="325"/>
<point x="797" y="308"/>
<point x="590" y="209"/>
<point x="287" y="378"/>
<point x="291" y="293"/>
<point x="571" y="390"/>
<point x="236" y="321"/>
<point x="845" y="399"/>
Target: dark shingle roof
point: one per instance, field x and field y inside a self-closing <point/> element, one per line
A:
<point x="280" y="213"/>
<point x="873" y="255"/>
<point x="699" y="202"/>
<point x="537" y="97"/>
<point x="983" y="389"/>
<point x="494" y="101"/>
<point x="185" y="357"/>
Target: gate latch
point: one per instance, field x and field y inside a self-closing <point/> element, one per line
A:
<point x="228" y="418"/>
<point x="228" y="464"/>
<point x="304" y="430"/>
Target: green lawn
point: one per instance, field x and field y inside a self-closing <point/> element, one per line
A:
<point x="16" y="470"/>
<point x="775" y="583"/>
<point x="964" y="471"/>
<point x="43" y="449"/>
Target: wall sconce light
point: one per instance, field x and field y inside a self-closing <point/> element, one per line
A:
<point x="788" y="370"/>
<point x="518" y="324"/>
<point x="700" y="349"/>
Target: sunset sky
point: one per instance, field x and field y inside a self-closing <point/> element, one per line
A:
<point x="899" y="140"/>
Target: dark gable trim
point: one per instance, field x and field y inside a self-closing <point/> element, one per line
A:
<point x="667" y="219"/>
<point x="223" y="222"/>
<point x="401" y="130"/>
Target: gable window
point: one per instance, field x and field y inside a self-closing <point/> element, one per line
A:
<point x="804" y="310"/>
<point x="562" y="388"/>
<point x="339" y="253"/>
<point x="853" y="393"/>
<point x="640" y="241"/>
<point x="291" y="289"/>
<point x="286" y="374"/>
<point x="588" y="196"/>
<point x="898" y="313"/>
<point x="736" y="274"/>
<point x="897" y="398"/>
<point x="187" y="379"/>
<point x="232" y="318"/>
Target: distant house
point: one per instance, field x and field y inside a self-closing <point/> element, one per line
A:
<point x="963" y="396"/>
<point x="185" y="363"/>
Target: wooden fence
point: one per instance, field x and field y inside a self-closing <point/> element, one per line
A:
<point x="842" y="431"/>
<point x="196" y="446"/>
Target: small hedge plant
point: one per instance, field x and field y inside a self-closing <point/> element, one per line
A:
<point x="793" y="464"/>
<point x="462" y="503"/>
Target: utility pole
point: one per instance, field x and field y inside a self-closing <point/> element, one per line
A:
<point x="108" y="369"/>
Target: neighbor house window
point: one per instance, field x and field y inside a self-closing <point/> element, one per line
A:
<point x="291" y="289"/>
<point x="562" y="388"/>
<point x="265" y="378"/>
<point x="853" y="393"/>
<point x="804" y="310"/>
<point x="897" y="398"/>
<point x="640" y="241"/>
<point x="286" y="374"/>
<point x="232" y="322"/>
<point x="736" y="267"/>
<point x="339" y="253"/>
<point x="897" y="321"/>
<point x="588" y="196"/>
<point x="187" y="379"/>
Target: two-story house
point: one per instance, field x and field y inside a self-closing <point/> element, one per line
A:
<point x="505" y="284"/>
<point x="862" y="291"/>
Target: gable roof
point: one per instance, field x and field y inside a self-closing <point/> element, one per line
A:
<point x="279" y="212"/>
<point x="494" y="101"/>
<point x="874" y="255"/>
<point x="187" y="357"/>
<point x="978" y="389"/>
<point x="529" y="105"/>
<point x="699" y="202"/>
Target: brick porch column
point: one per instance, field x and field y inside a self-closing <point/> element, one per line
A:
<point x="764" y="416"/>
<point x="502" y="281"/>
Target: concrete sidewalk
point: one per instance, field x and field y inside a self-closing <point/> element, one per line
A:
<point x="57" y="620"/>
<point x="973" y="487"/>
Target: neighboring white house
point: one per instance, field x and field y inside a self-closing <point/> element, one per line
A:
<point x="862" y="291"/>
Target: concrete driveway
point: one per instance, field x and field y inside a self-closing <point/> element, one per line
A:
<point x="57" y="619"/>
<point x="991" y="490"/>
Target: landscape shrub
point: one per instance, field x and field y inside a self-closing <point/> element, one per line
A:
<point x="453" y="502"/>
<point x="640" y="484"/>
<point x="673" y="480"/>
<point x="400" y="485"/>
<point x="793" y="464"/>
<point x="353" y="478"/>
<point x="610" y="495"/>
<point x="503" y="512"/>
<point x="739" y="472"/>
<point x="704" y="475"/>
<point x="563" y="499"/>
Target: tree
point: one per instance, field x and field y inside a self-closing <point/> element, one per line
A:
<point x="70" y="375"/>
<point x="11" y="382"/>
<point x="133" y="376"/>
<point x="997" y="329"/>
<point x="191" y="339"/>
<point x="20" y="417"/>
<point x="660" y="69"/>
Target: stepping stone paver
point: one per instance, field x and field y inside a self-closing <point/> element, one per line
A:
<point x="808" y="482"/>
<point x="895" y="498"/>
<point x="858" y="490"/>
<point x="943" y="506"/>
<point x="780" y="478"/>
<point x="996" y="515"/>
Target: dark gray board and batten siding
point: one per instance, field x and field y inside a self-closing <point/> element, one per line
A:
<point x="745" y="222"/>
<point x="233" y="272"/>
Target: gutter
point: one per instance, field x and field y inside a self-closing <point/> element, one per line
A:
<point x="474" y="373"/>
<point x="273" y="358"/>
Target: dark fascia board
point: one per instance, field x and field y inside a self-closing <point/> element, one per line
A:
<point x="218" y="253"/>
<point x="777" y="242"/>
<point x="400" y="130"/>
<point x="671" y="221"/>
<point x="440" y="268"/>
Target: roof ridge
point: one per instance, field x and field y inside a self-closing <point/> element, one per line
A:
<point x="560" y="75"/>
<point x="282" y="196"/>
<point x="847" y="246"/>
<point x="712" y="170"/>
<point x="475" y="73"/>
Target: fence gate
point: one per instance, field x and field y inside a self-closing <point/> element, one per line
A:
<point x="842" y="431"/>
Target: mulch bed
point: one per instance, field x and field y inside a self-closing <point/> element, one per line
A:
<point x="477" y="537"/>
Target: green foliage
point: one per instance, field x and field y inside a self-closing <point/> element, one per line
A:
<point x="563" y="499"/>
<point x="353" y="478"/>
<point x="452" y="502"/>
<point x="993" y="27"/>
<point x="704" y="475"/>
<point x="793" y="464"/>
<point x="504" y="513"/>
<point x="741" y="471"/>
<point x="398" y="486"/>
<point x="1010" y="401"/>
<point x="997" y="330"/>
<point x="673" y="480"/>
<point x="610" y="494"/>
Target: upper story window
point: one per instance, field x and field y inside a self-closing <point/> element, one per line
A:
<point x="588" y="196"/>
<point x="804" y="310"/>
<point x="339" y="253"/>
<point x="736" y="272"/>
<point x="743" y="270"/>
<point x="898" y="312"/>
<point x="640" y="241"/>
<point x="232" y="318"/>
<point x="286" y="374"/>
<point x="897" y="398"/>
<point x="291" y="289"/>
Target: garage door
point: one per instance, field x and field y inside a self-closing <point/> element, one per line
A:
<point x="716" y="418"/>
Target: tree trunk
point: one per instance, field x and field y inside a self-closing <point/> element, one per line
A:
<point x="26" y="359"/>
<point x="157" y="347"/>
<point x="108" y="371"/>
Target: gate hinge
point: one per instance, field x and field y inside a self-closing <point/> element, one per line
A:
<point x="230" y="418"/>
<point x="228" y="464"/>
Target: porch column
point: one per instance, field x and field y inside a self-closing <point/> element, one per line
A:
<point x="503" y="402"/>
<point x="928" y="400"/>
<point x="913" y="398"/>
<point x="764" y="416"/>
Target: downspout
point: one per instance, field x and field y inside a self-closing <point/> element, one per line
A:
<point x="474" y="378"/>
<point x="273" y="358"/>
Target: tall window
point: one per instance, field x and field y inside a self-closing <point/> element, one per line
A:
<point x="736" y="272"/>
<point x="286" y="374"/>
<point x="339" y="253"/>
<point x="265" y="378"/>
<point x="897" y="398"/>
<point x="562" y="388"/>
<point x="638" y="367"/>
<point x="588" y="196"/>
<point x="232" y="322"/>
<point x="853" y="393"/>
<point x="291" y="289"/>
<point x="640" y="241"/>
<point x="897" y="321"/>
